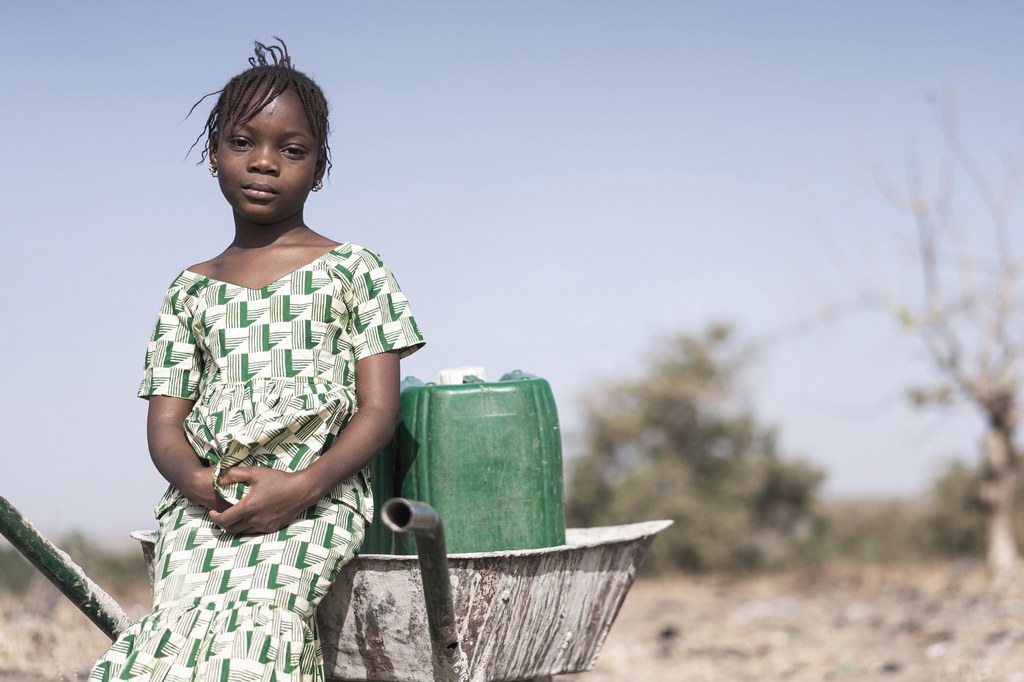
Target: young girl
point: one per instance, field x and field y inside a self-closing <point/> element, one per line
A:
<point x="272" y="379"/>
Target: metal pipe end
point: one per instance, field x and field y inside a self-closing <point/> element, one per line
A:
<point x="403" y="516"/>
<point x="396" y="514"/>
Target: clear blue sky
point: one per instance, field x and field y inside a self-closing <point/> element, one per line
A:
<point x="559" y="186"/>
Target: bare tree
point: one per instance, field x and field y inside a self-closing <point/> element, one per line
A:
<point x="969" y="312"/>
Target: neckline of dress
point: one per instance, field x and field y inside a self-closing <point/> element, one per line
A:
<point x="272" y="282"/>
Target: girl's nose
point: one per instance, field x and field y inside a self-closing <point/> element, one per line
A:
<point x="263" y="161"/>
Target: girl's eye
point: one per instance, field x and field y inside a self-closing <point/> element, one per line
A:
<point x="239" y="142"/>
<point x="295" y="152"/>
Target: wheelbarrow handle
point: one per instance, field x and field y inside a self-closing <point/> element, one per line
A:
<point x="59" y="569"/>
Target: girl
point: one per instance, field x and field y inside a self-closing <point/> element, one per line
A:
<point x="272" y="379"/>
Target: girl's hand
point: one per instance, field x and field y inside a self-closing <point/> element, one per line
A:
<point x="274" y="500"/>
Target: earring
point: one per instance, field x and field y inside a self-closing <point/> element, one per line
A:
<point x="318" y="185"/>
<point x="213" y="169"/>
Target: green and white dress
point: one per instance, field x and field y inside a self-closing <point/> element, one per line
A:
<point x="272" y="371"/>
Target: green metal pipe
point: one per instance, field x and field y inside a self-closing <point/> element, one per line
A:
<point x="403" y="516"/>
<point x="59" y="569"/>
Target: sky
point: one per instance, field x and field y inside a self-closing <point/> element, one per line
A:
<point x="560" y="187"/>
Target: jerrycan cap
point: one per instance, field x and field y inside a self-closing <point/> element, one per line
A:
<point x="461" y="375"/>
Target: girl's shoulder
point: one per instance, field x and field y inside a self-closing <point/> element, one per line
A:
<point x="353" y="257"/>
<point x="186" y="281"/>
<point x="182" y="292"/>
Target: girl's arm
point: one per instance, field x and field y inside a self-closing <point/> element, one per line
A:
<point x="275" y="497"/>
<point x="173" y="456"/>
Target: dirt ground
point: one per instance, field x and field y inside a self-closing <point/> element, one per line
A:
<point x="849" y="625"/>
<point x="845" y="624"/>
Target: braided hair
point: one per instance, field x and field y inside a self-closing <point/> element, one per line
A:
<point x="271" y="73"/>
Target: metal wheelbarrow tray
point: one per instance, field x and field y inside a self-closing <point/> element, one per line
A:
<point x="520" y="615"/>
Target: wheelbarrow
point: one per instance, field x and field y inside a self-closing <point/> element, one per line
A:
<point x="475" y="617"/>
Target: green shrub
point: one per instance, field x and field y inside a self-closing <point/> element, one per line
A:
<point x="678" y="443"/>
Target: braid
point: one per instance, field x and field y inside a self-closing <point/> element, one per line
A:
<point x="270" y="73"/>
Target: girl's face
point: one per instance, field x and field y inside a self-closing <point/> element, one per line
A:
<point x="267" y="167"/>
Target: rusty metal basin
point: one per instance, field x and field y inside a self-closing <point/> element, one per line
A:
<point x="521" y="614"/>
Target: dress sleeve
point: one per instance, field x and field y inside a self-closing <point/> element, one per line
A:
<point x="173" y="362"/>
<point x="380" y="319"/>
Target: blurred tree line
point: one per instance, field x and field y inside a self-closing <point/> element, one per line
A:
<point x="678" y="442"/>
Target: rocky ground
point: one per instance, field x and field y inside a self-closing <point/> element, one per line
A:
<point x="845" y="624"/>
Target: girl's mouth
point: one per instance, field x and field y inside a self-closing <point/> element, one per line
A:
<point x="258" y="191"/>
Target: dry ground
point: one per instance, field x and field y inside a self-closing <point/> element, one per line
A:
<point x="845" y="624"/>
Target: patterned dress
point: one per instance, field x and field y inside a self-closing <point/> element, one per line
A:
<point x="272" y="371"/>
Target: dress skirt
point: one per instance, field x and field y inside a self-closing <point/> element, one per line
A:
<point x="234" y="608"/>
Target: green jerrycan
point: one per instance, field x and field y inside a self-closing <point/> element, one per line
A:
<point x="486" y="455"/>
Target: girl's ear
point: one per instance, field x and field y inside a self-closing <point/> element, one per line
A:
<point x="213" y="159"/>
